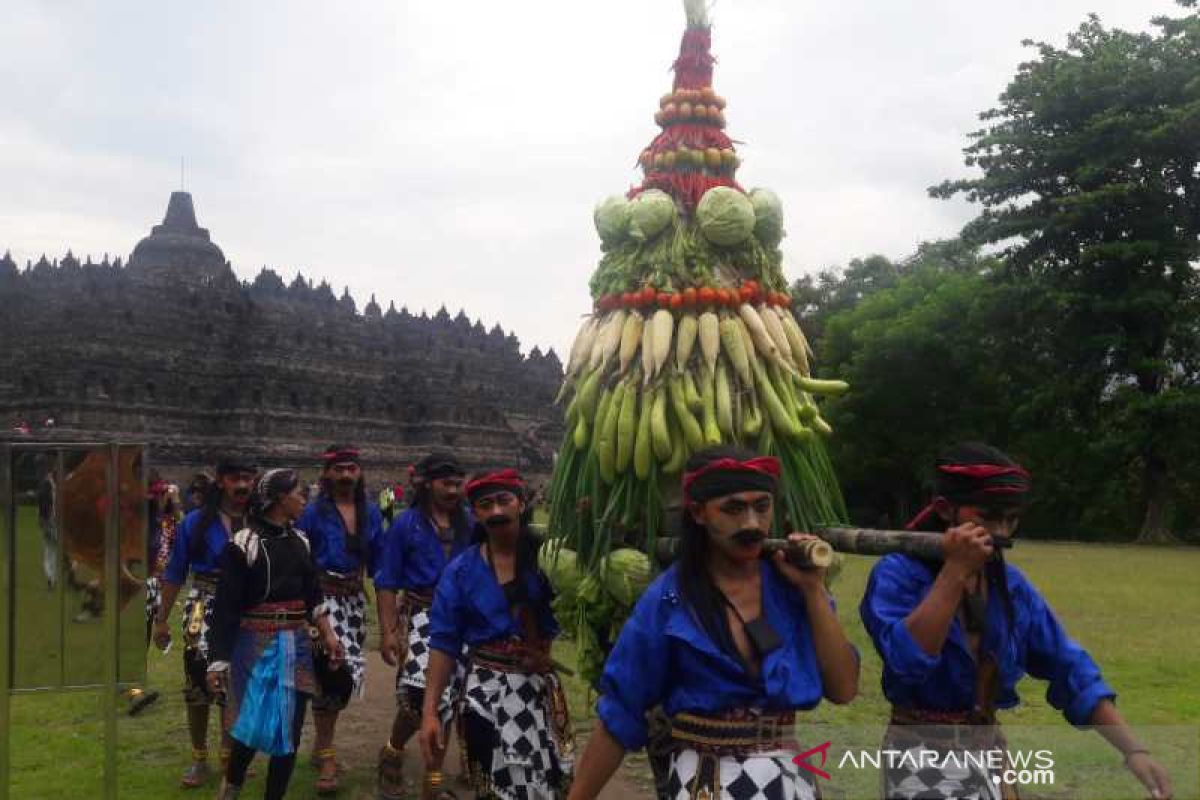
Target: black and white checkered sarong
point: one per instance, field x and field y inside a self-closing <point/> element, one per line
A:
<point x="348" y="618"/>
<point x="765" y="776"/>
<point x="952" y="779"/>
<point x="153" y="599"/>
<point x="526" y="753"/>
<point x="411" y="674"/>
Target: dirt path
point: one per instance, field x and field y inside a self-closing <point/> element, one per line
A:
<point x="364" y="725"/>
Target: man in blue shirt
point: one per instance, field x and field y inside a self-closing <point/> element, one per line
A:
<point x="197" y="548"/>
<point x="494" y="602"/>
<point x="956" y="637"/>
<point x="729" y="644"/>
<point x="344" y="531"/>
<point x="416" y="549"/>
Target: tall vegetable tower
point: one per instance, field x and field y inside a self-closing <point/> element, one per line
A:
<point x="691" y="342"/>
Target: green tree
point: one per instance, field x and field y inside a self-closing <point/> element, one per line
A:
<point x="923" y="358"/>
<point x="1091" y="183"/>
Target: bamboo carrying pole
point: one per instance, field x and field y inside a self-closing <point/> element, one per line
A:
<point x="857" y="541"/>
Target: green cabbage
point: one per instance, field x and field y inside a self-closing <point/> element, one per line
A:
<point x="561" y="566"/>
<point x="612" y="219"/>
<point x="650" y="212"/>
<point x="627" y="573"/>
<point x="768" y="216"/>
<point x="726" y="216"/>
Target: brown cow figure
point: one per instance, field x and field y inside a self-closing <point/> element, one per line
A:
<point x="85" y="507"/>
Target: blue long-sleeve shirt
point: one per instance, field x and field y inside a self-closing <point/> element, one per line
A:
<point x="180" y="563"/>
<point x="469" y="606"/>
<point x="322" y="523"/>
<point x="663" y="656"/>
<point x="1037" y="644"/>
<point x="411" y="556"/>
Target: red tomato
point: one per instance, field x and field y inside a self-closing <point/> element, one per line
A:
<point x="664" y="299"/>
<point x="707" y="295"/>
<point x="648" y="296"/>
<point x="689" y="297"/>
<point x="676" y="301"/>
<point x="746" y="293"/>
<point x="627" y="299"/>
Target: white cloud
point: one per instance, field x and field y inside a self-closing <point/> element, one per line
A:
<point x="451" y="152"/>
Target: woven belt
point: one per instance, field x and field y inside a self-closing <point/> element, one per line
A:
<point x="418" y="599"/>
<point x="340" y="585"/>
<point x="206" y="582"/>
<point x="943" y="729"/>
<point x="288" y="615"/>
<point x="500" y="657"/>
<point x="738" y="733"/>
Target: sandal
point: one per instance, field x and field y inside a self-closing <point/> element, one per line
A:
<point x="196" y="775"/>
<point x="327" y="764"/>
<point x="391" y="773"/>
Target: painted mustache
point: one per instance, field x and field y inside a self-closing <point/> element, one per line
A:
<point x="749" y="537"/>
<point x="496" y="521"/>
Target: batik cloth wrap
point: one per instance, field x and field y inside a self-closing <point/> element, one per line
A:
<point x="271" y="663"/>
<point x="742" y="754"/>
<point x="414" y="660"/>
<point x="516" y="729"/>
<point x="960" y="743"/>
<point x="345" y="604"/>
<point x="197" y="620"/>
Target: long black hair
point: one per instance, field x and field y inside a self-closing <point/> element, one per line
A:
<point x="706" y="602"/>
<point x="354" y="542"/>
<point x="460" y="521"/>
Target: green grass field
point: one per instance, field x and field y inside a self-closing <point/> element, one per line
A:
<point x="1137" y="610"/>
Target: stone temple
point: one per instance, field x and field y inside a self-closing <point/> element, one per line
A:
<point x="172" y="350"/>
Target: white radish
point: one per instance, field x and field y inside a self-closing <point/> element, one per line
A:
<point x="775" y="328"/>
<point x="611" y="338"/>
<point x="597" y="351"/>
<point x="797" y="341"/>
<point x="631" y="337"/>
<point x="581" y="348"/>
<point x="747" y="339"/>
<point x="710" y="338"/>
<point x="685" y="339"/>
<point x="763" y="343"/>
<point x="647" y="352"/>
<point x="664" y="325"/>
<point x="800" y="331"/>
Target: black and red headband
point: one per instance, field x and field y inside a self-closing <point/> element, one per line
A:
<point x="985" y="479"/>
<point x="505" y="480"/>
<point x="723" y="476"/>
<point x="340" y="454"/>
<point x="977" y="475"/>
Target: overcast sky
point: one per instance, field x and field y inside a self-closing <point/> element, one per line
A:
<point x="451" y="151"/>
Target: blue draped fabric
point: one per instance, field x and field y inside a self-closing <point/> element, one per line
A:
<point x="268" y="695"/>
